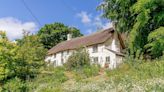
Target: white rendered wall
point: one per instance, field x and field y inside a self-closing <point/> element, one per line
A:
<point x="101" y="54"/>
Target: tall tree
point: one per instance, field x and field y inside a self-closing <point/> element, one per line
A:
<point x="51" y="34"/>
<point x="140" y="18"/>
<point x="29" y="57"/>
<point x="7" y="53"/>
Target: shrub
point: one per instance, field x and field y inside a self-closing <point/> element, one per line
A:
<point x="92" y="70"/>
<point x="56" y="75"/>
<point x="78" y="60"/>
<point x="86" y="72"/>
<point x="59" y="74"/>
<point x="15" y="85"/>
<point x="29" y="57"/>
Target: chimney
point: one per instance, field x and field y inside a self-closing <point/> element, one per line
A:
<point x="69" y="36"/>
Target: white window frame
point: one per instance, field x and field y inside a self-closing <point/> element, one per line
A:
<point x="95" y="60"/>
<point x="95" y="48"/>
<point x="107" y="59"/>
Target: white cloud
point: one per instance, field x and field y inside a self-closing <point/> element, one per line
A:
<point x="100" y="24"/>
<point x="89" y="31"/>
<point x="14" y="27"/>
<point x="85" y="17"/>
<point x="94" y="23"/>
<point x="107" y="25"/>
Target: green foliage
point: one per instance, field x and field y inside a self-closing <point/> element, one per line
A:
<point x="86" y="72"/>
<point x="118" y="10"/>
<point x="156" y="42"/>
<point x="59" y="74"/>
<point x="56" y="75"/>
<point x="7" y="53"/>
<point x="15" y="85"/>
<point x="138" y="70"/>
<point x="29" y="57"/>
<point x="49" y="81"/>
<point x="149" y="17"/>
<point x="139" y="18"/>
<point x="78" y="60"/>
<point x="92" y="70"/>
<point x="52" y="34"/>
<point x="22" y="59"/>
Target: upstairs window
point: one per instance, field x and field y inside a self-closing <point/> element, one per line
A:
<point x="54" y="55"/>
<point x="67" y="52"/>
<point x="62" y="54"/>
<point x="95" y="48"/>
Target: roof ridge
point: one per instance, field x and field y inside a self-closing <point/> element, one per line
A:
<point x="87" y="35"/>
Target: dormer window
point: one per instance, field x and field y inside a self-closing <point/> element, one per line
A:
<point x="95" y="48"/>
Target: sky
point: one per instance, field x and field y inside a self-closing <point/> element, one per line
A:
<point x="31" y="15"/>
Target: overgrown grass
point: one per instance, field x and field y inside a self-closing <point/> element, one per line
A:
<point x="137" y="76"/>
<point x="49" y="81"/>
<point x="138" y="70"/>
<point x="86" y="72"/>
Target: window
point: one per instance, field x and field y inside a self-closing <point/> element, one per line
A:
<point x="95" y="60"/>
<point x="62" y="54"/>
<point x="54" y="63"/>
<point x="62" y="61"/>
<point x="67" y="52"/>
<point x="108" y="59"/>
<point x="95" y="49"/>
<point x="54" y="55"/>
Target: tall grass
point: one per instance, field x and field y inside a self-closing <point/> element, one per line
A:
<point x="129" y="77"/>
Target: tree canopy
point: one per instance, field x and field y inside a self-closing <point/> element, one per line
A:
<point x="140" y="19"/>
<point x="29" y="57"/>
<point x="52" y="34"/>
<point x="22" y="59"/>
<point x="7" y="53"/>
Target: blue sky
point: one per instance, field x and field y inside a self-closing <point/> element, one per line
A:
<point x="82" y="14"/>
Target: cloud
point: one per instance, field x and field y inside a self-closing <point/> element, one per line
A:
<point x="101" y="24"/>
<point x="14" y="27"/>
<point x="85" y="17"/>
<point x="89" y="31"/>
<point x="107" y="25"/>
<point x="93" y="22"/>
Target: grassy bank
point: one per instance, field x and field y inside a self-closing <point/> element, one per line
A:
<point x="137" y="77"/>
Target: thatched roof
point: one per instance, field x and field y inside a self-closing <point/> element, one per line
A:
<point x="96" y="38"/>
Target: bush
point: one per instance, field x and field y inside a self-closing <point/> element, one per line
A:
<point x="15" y="85"/>
<point x="78" y="60"/>
<point x="86" y="72"/>
<point x="59" y="74"/>
<point x="49" y="81"/>
<point x="138" y="70"/>
<point x="56" y="75"/>
<point x="92" y="70"/>
<point x="29" y="57"/>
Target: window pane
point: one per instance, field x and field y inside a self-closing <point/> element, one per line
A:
<point x="95" y="60"/>
<point x="95" y="49"/>
<point x="108" y="59"/>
